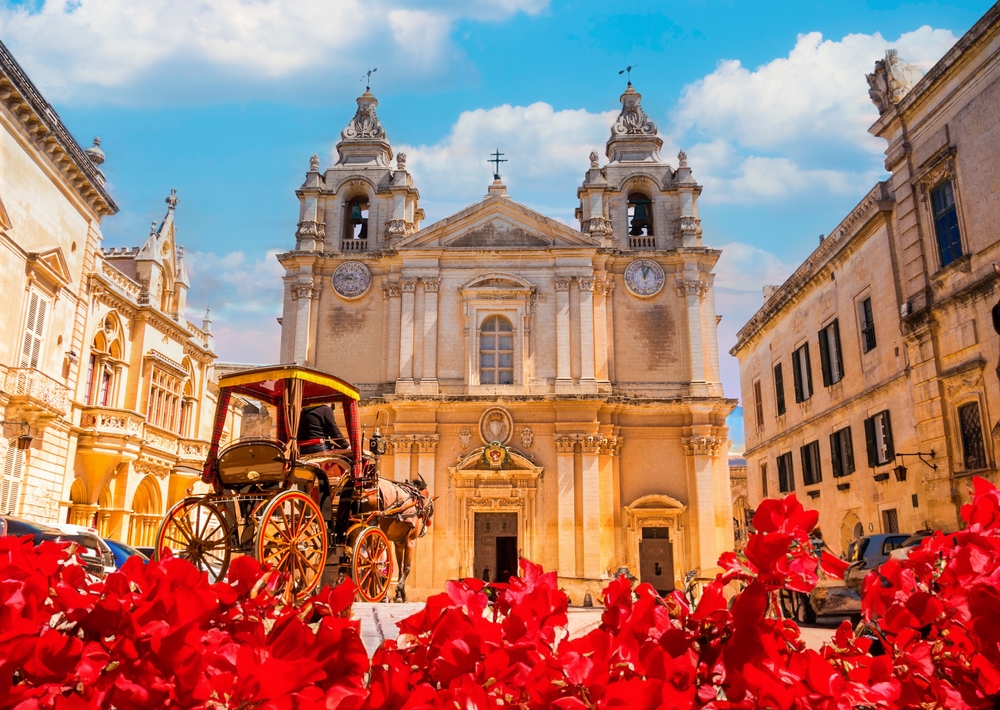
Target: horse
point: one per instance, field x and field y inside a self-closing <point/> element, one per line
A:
<point x="407" y="512"/>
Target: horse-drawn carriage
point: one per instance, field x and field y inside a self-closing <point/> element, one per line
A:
<point x="301" y="514"/>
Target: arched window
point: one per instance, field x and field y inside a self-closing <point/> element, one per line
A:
<point x="356" y="219"/>
<point x="640" y="215"/>
<point x="104" y="364"/>
<point x="188" y="402"/>
<point x="496" y="352"/>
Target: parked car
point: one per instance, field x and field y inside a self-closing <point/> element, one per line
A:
<point x="18" y="527"/>
<point x="868" y="553"/>
<point x="97" y="556"/>
<point x="122" y="552"/>
<point x="901" y="552"/>
<point x="147" y="551"/>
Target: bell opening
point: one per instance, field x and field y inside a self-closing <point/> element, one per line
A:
<point x="640" y="219"/>
<point x="357" y="219"/>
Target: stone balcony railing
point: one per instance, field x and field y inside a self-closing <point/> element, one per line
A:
<point x="642" y="242"/>
<point x="108" y="420"/>
<point x="33" y="393"/>
<point x="162" y="440"/>
<point x="192" y="450"/>
<point x="120" y="282"/>
<point x="353" y="245"/>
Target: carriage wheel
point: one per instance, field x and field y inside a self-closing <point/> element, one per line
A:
<point x="371" y="563"/>
<point x="196" y="531"/>
<point x="292" y="538"/>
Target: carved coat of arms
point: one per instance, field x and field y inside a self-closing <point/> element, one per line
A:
<point x="495" y="455"/>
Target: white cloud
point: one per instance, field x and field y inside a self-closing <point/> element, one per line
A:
<point x="547" y="152"/>
<point x="817" y="92"/>
<point x="85" y="49"/>
<point x="245" y="295"/>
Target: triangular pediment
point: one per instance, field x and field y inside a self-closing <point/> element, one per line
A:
<point x="498" y="223"/>
<point x="51" y="265"/>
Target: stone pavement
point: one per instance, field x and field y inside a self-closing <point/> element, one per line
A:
<point x="378" y="622"/>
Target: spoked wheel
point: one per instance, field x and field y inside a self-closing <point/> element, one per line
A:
<point x="197" y="531"/>
<point x="292" y="538"/>
<point x="795" y="606"/>
<point x="371" y="562"/>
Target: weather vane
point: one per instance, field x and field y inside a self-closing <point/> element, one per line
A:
<point x="367" y="78"/>
<point x="497" y="159"/>
<point x="628" y="70"/>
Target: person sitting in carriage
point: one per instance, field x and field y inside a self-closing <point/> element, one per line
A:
<point x="318" y="430"/>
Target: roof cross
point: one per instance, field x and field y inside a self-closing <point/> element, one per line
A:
<point x="628" y="72"/>
<point x="497" y="160"/>
<point x="367" y="78"/>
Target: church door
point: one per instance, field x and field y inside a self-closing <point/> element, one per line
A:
<point x="656" y="559"/>
<point x="496" y="546"/>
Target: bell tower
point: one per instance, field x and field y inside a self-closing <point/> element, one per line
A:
<point x="637" y="201"/>
<point x="361" y="203"/>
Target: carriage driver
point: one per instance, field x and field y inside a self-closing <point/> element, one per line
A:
<point x="318" y="430"/>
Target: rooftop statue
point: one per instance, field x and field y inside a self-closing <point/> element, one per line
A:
<point x="891" y="80"/>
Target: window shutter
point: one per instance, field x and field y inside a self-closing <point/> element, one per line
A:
<point x="10" y="481"/>
<point x="870" y="442"/>
<point x="806" y="468"/>
<point x="807" y="380"/>
<point x="845" y="435"/>
<point x="838" y="356"/>
<point x="835" y="454"/>
<point x="779" y="389"/>
<point x="816" y="463"/>
<point x="824" y="357"/>
<point x="890" y="451"/>
<point x="797" y="376"/>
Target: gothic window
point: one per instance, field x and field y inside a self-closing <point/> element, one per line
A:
<point x="640" y="215"/>
<point x="811" y="471"/>
<point x="356" y="219"/>
<point x="779" y="389"/>
<point x="34" y="330"/>
<point x="496" y="352"/>
<point x="867" y="325"/>
<point x="878" y="438"/>
<point x="786" y="474"/>
<point x="946" y="222"/>
<point x="103" y="365"/>
<point x="164" y="397"/>
<point x="841" y="452"/>
<point x="829" y="354"/>
<point x="188" y="404"/>
<point x="802" y="373"/>
<point x="973" y="451"/>
<point x="10" y="481"/>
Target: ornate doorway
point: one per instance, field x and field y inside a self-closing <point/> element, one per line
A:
<point x="495" y="546"/>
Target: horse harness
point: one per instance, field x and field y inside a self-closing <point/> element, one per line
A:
<point x="413" y="506"/>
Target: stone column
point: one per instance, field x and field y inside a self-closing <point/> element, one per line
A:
<point x="587" y="364"/>
<point x="428" y="378"/>
<point x="402" y="448"/>
<point x="601" y="331"/>
<point x="610" y="524"/>
<point x="408" y="288"/>
<point x="303" y="295"/>
<point x="423" y="574"/>
<point x="700" y="451"/>
<point x="693" y="290"/>
<point x="591" y="513"/>
<point x="609" y="305"/>
<point x="563" y="378"/>
<point x="565" y="445"/>
<point x="391" y="292"/>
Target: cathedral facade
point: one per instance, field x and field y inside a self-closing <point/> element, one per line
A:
<point x="590" y="355"/>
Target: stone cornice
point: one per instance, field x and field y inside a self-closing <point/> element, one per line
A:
<point x="22" y="98"/>
<point x="877" y="199"/>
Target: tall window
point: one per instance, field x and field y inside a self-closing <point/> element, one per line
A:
<point x="786" y="474"/>
<point x="779" y="389"/>
<point x="10" y="481"/>
<point x="841" y="452"/>
<point x="496" y="352"/>
<point x="829" y="354"/>
<point x="973" y="451"/>
<point x="34" y="330"/>
<point x="763" y="480"/>
<point x="164" y="397"/>
<point x="946" y="223"/>
<point x="811" y="472"/>
<point x="802" y="374"/>
<point x="758" y="405"/>
<point x="640" y="215"/>
<point x="356" y="218"/>
<point x="867" y="325"/>
<point x="878" y="437"/>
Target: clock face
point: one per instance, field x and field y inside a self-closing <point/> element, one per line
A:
<point x="644" y="278"/>
<point x="352" y="279"/>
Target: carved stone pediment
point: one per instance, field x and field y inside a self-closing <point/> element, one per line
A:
<point x="498" y="233"/>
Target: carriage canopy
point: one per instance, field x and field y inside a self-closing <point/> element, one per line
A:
<point x="288" y="388"/>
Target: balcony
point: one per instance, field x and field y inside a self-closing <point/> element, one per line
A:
<point x="35" y="396"/>
<point x="192" y="451"/>
<point x="644" y="242"/>
<point x="165" y="442"/>
<point x="353" y="245"/>
<point x="106" y="420"/>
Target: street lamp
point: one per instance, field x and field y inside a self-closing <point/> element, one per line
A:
<point x="900" y="470"/>
<point x="24" y="439"/>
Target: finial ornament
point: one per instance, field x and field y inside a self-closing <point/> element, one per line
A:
<point x="628" y="71"/>
<point x="365" y="123"/>
<point x="891" y="80"/>
<point x="314" y="163"/>
<point x="682" y="159"/>
<point x="496" y="159"/>
<point x="367" y="78"/>
<point x="95" y="153"/>
<point x="401" y="161"/>
<point x="173" y="199"/>
<point x="152" y="228"/>
<point x="594" y="159"/>
<point x="632" y="120"/>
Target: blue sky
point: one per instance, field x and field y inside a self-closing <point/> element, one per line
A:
<point x="226" y="101"/>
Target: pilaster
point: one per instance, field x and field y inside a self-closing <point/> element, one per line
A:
<point x="428" y="379"/>
<point x="303" y="294"/>
<point x="565" y="451"/>
<point x="700" y="451"/>
<point x="693" y="290"/>
<point x="563" y="379"/>
<point x="408" y="289"/>
<point x="588" y="379"/>
<point x="391" y="293"/>
<point x="591" y="508"/>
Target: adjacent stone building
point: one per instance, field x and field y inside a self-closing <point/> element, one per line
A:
<point x="106" y="390"/>
<point x="869" y="376"/>
<point x="590" y="353"/>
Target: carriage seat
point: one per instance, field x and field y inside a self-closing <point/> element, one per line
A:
<point x="262" y="462"/>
